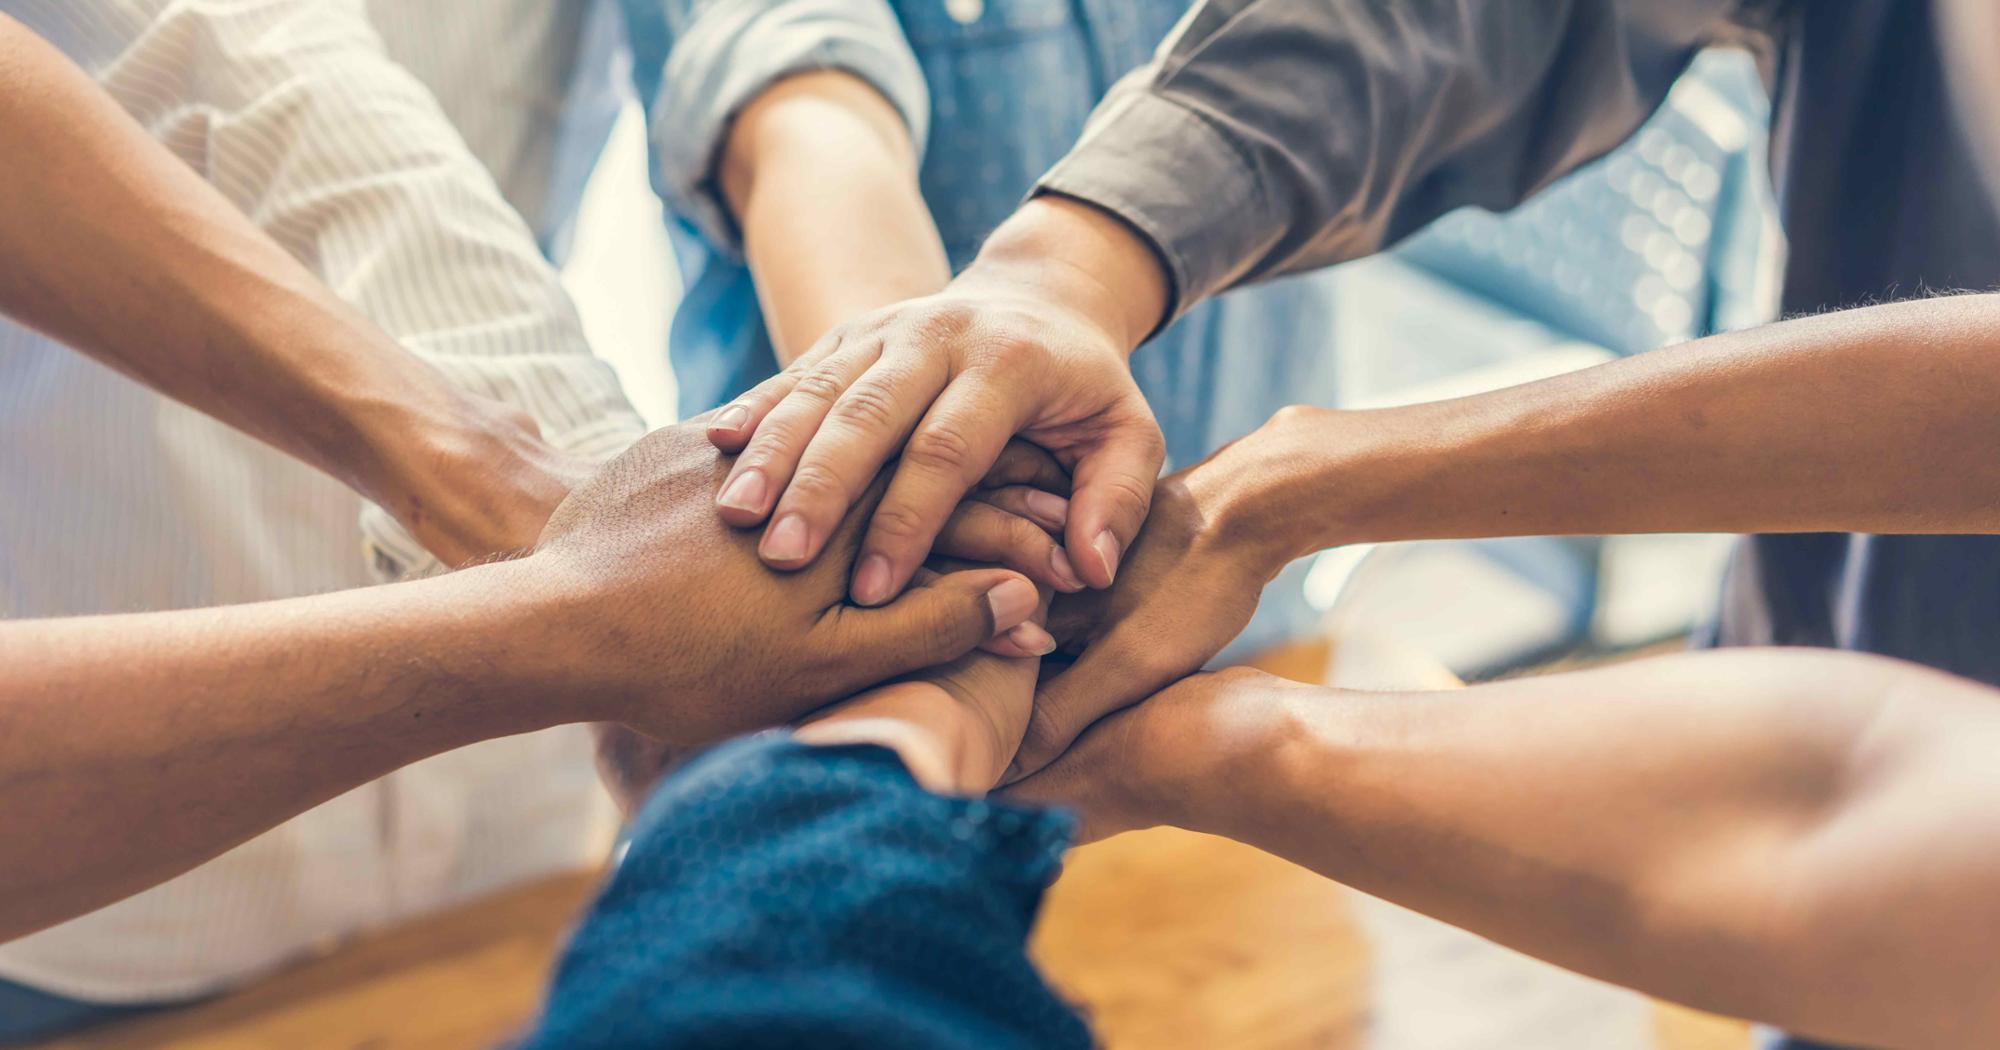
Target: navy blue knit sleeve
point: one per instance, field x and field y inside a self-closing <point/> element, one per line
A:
<point x="782" y="895"/>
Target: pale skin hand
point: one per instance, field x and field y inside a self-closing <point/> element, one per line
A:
<point x="137" y="747"/>
<point x="1802" y="838"/>
<point x="118" y="249"/>
<point x="1031" y="341"/>
<point x="1835" y="423"/>
<point x="823" y="151"/>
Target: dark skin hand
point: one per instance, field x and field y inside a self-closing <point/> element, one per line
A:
<point x="1013" y="517"/>
<point x="957" y="726"/>
<point x="737" y="645"/>
<point x="1189" y="586"/>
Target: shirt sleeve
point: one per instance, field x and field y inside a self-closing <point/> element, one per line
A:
<point x="699" y="62"/>
<point x="1271" y="136"/>
<point x="777" y="895"/>
<point x="293" y="109"/>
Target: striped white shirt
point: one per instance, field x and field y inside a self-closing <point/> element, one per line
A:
<point x="114" y="499"/>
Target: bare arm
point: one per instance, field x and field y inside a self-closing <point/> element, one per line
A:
<point x="821" y="175"/>
<point x="115" y="247"/>
<point x="1872" y="420"/>
<point x="1797" y="837"/>
<point x="135" y="747"/>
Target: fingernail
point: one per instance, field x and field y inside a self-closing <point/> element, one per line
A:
<point x="871" y="581"/>
<point x="731" y="418"/>
<point x="1032" y="640"/>
<point x="1012" y="603"/>
<point x="1106" y="546"/>
<point x="787" y="540"/>
<point x="1048" y="509"/>
<point x="1065" y="572"/>
<point x="747" y="492"/>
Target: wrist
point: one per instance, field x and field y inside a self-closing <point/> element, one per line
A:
<point x="501" y="642"/>
<point x="543" y="639"/>
<point x="1227" y="734"/>
<point x="927" y="727"/>
<point x="1081" y="258"/>
<point x="469" y="478"/>
<point x="1254" y="494"/>
<point x="1311" y="479"/>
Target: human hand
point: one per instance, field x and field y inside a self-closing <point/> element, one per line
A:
<point x="1169" y="759"/>
<point x="1190" y="587"/>
<point x="685" y="635"/>
<point x="1028" y="342"/>
<point x="956" y="725"/>
<point x="481" y="487"/>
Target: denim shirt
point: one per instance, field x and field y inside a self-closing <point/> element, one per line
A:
<point x="994" y="91"/>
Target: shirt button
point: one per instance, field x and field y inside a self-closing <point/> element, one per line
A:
<point x="965" y="12"/>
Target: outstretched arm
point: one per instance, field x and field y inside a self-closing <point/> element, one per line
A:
<point x="1797" y="837"/>
<point x="135" y="747"/>
<point x="115" y="247"/>
<point x="1869" y="420"/>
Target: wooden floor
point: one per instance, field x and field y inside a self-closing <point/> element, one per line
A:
<point x="1168" y="940"/>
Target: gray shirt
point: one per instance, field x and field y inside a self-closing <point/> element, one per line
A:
<point x="1276" y="135"/>
<point x="1271" y="136"/>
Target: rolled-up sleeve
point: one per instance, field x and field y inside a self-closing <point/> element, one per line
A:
<point x="1271" y="136"/>
<point x="701" y="61"/>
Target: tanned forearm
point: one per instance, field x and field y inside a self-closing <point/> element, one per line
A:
<point x="1800" y="838"/>
<point x="822" y="177"/>
<point x="1871" y="420"/>
<point x="116" y="248"/>
<point x="136" y="747"/>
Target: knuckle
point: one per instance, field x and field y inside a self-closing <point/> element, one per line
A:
<point x="1025" y="537"/>
<point x="942" y="449"/>
<point x="1128" y="490"/>
<point x="819" y="385"/>
<point x="866" y="406"/>
<point x="814" y="483"/>
<point x="899" y="523"/>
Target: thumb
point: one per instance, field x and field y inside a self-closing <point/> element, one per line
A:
<point x="1113" y="490"/>
<point x="935" y="622"/>
<point x="1108" y="677"/>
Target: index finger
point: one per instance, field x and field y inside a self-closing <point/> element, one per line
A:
<point x="953" y="447"/>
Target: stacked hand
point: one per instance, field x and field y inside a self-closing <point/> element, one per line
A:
<point x="1029" y="344"/>
<point x="681" y="631"/>
<point x="1018" y="345"/>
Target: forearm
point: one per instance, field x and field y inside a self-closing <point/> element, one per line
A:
<point x="821" y="175"/>
<point x="1793" y="837"/>
<point x="138" y="746"/>
<point x="116" y="248"/>
<point x="1873" y="420"/>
